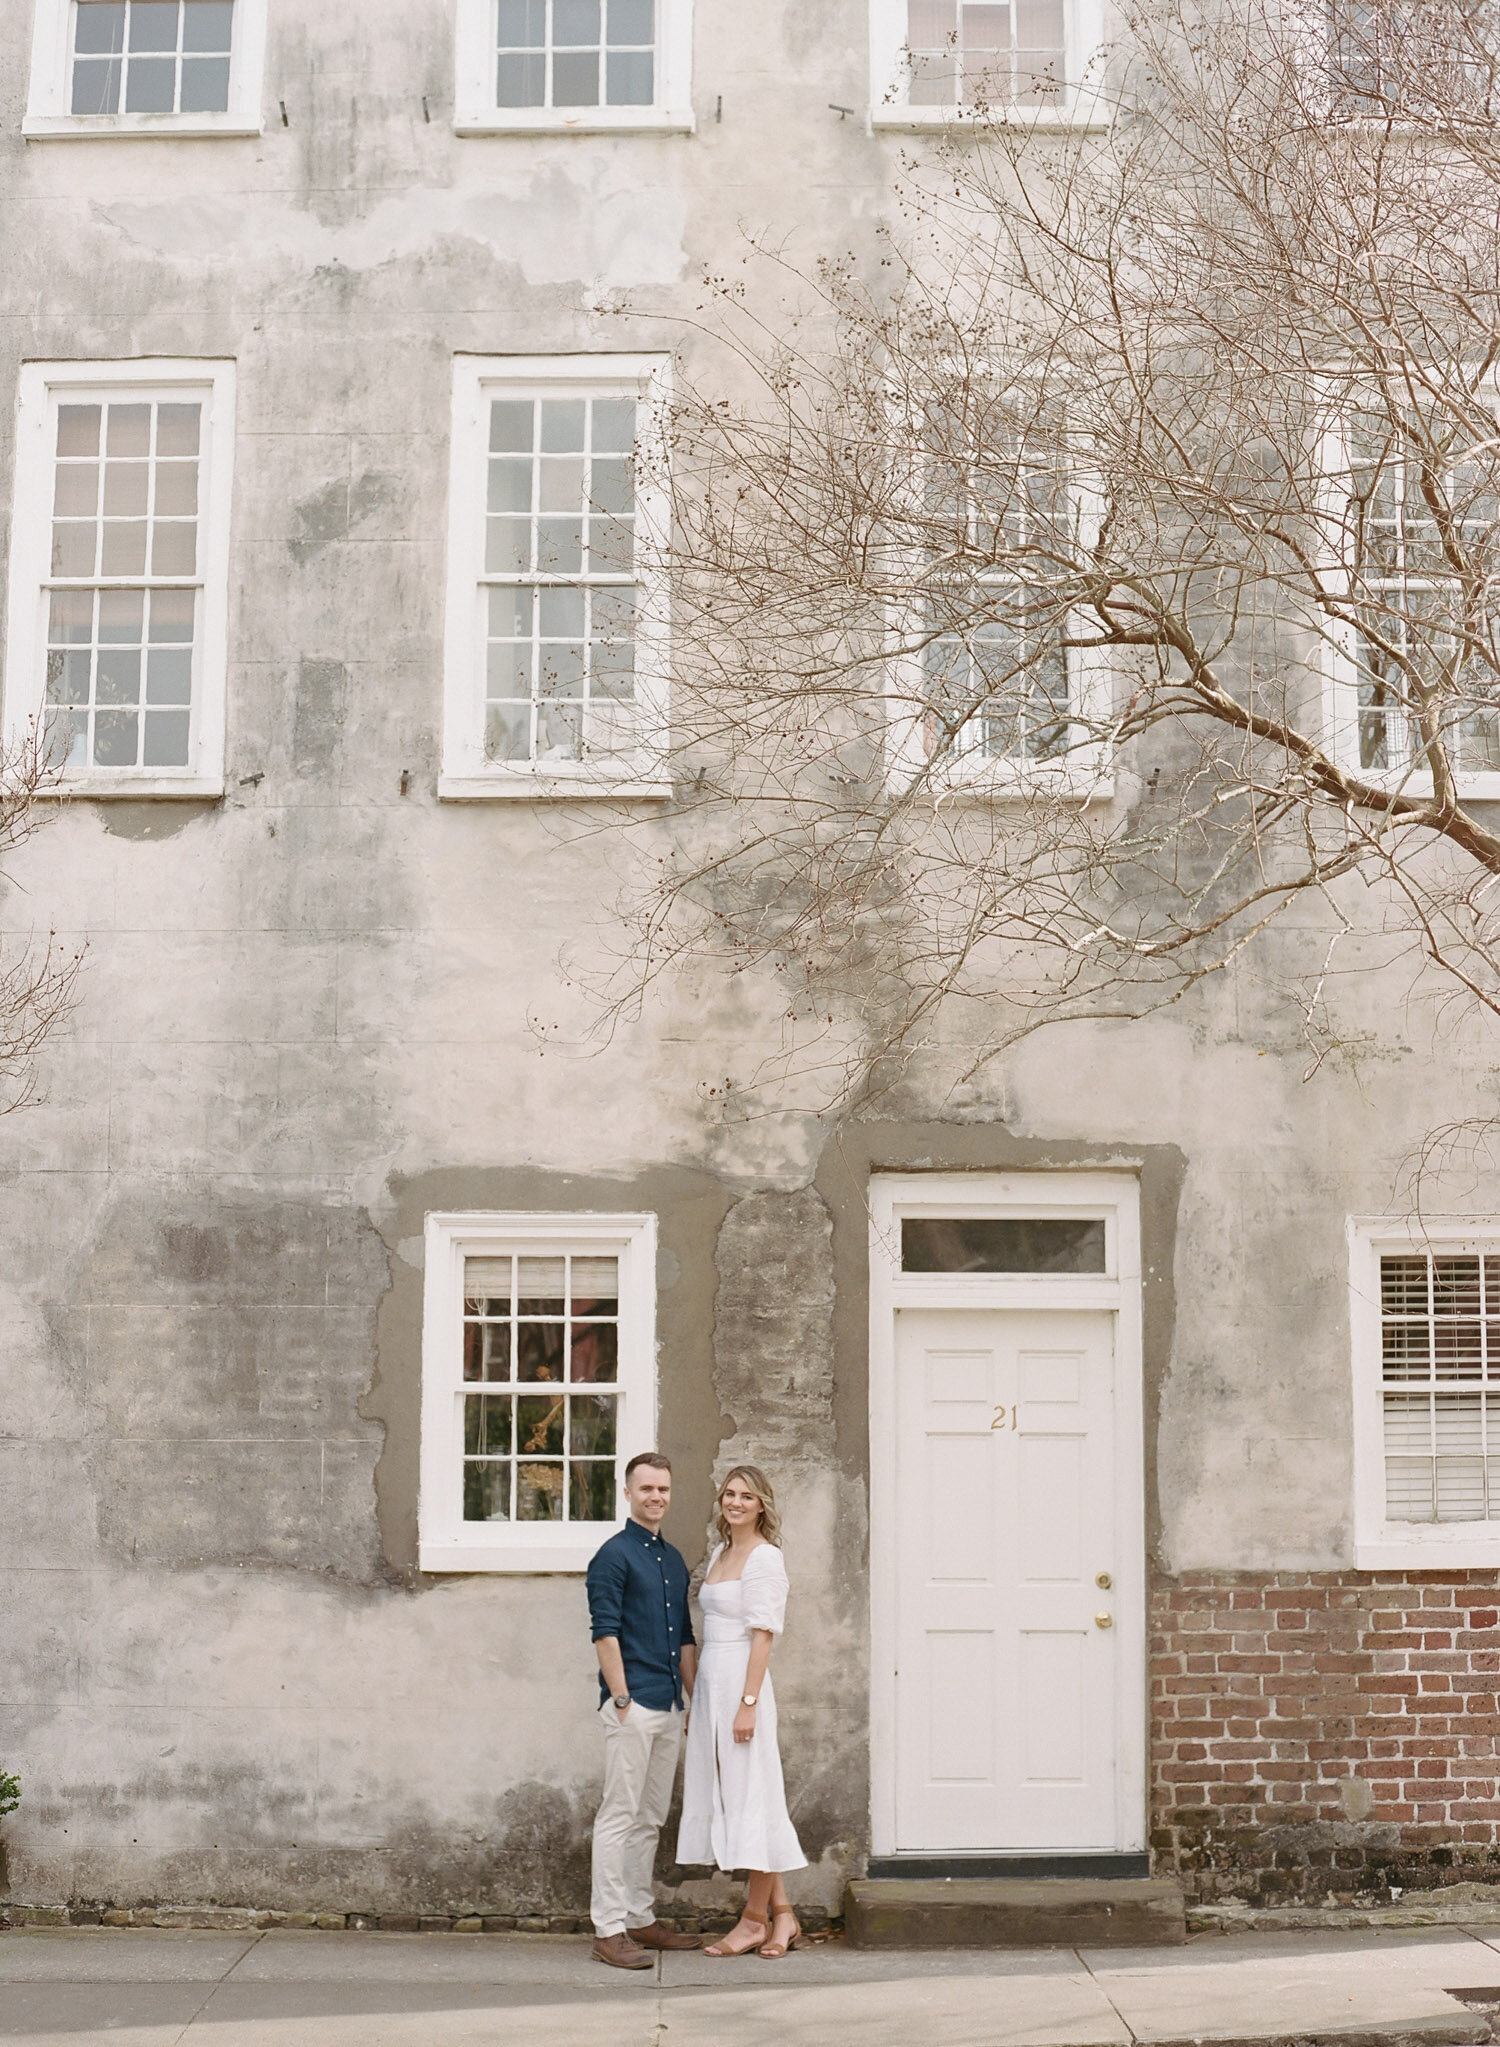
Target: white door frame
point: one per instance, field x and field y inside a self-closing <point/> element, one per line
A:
<point x="1116" y="1198"/>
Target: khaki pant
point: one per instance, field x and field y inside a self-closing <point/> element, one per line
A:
<point x="640" y="1762"/>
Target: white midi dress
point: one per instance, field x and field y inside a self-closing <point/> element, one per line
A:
<point x="733" y="1800"/>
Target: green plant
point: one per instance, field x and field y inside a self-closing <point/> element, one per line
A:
<point x="10" y="1793"/>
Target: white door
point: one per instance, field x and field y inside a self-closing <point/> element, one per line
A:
<point x="1006" y="1733"/>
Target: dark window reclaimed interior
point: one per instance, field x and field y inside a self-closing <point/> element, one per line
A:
<point x="968" y="1243"/>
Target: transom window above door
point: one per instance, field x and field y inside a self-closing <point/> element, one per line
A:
<point x="1010" y="1243"/>
<point x="573" y="64"/>
<point x="121" y="67"/>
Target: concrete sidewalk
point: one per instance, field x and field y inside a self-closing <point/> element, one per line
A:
<point x="62" y="1988"/>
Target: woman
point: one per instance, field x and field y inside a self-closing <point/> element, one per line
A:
<point x="733" y="1803"/>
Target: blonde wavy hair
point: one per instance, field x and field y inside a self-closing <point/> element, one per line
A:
<point x="756" y="1482"/>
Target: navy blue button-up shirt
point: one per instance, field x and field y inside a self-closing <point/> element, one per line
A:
<point x="638" y="1592"/>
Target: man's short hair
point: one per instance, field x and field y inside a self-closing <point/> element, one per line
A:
<point x="652" y="1457"/>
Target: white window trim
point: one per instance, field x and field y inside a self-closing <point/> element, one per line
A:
<point x="1083" y="110"/>
<point x="30" y="556"/>
<point x="475" y="112"/>
<point x="445" y="1542"/>
<point x="466" y="775"/>
<point x="1380" y="1544"/>
<point x="1340" y="669"/>
<point x="47" y="112"/>
<point x="1086" y="773"/>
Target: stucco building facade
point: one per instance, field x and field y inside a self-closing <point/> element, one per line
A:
<point x="305" y="345"/>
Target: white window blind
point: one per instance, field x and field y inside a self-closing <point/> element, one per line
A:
<point x="1440" y="1385"/>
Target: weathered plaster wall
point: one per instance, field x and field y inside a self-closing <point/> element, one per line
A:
<point x="318" y="1009"/>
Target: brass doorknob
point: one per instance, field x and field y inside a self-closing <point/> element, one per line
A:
<point x="1104" y="1581"/>
<point x="1104" y="1620"/>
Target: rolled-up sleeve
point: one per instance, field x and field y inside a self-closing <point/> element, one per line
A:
<point x="765" y="1589"/>
<point x="606" y="1590"/>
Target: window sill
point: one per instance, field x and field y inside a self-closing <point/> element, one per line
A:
<point x="130" y="788"/>
<point x="998" y="786"/>
<point x="525" y="787"/>
<point x="118" y="127"/>
<point x="1482" y="787"/>
<point x="1470" y="1547"/>
<point x="554" y="1556"/>
<point x="1033" y="120"/>
<point x="587" y="121"/>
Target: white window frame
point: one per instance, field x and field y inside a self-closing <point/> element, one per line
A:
<point x="42" y="385"/>
<point x="1379" y="1543"/>
<point x="48" y="115"/>
<point x="475" y="111"/>
<point x="466" y="774"/>
<point x="1082" y="106"/>
<point x="1340" y="666"/>
<point x="445" y="1542"/>
<point x="1084" y="774"/>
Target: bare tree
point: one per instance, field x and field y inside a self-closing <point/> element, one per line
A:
<point x="1110" y="562"/>
<point x="38" y="971"/>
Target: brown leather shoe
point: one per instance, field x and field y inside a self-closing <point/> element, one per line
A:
<point x="621" y="1952"/>
<point x="657" y="1934"/>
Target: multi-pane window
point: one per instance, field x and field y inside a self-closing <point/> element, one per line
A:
<point x="576" y="53"/>
<point x="995" y="674"/>
<point x="1411" y="59"/>
<point x="1420" y="531"/>
<point x="559" y="569"/>
<point x="1440" y="1385"/>
<point x="151" y="56"/>
<point x="123" y="589"/>
<point x="538" y="1385"/>
<point x="963" y="52"/>
<point x="541" y="1371"/>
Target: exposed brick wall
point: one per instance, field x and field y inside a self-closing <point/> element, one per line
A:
<point x="1318" y="1734"/>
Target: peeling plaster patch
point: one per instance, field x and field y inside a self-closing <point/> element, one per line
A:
<point x="591" y="223"/>
<point x="124" y="820"/>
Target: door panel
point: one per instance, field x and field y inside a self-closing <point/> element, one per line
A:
<point x="1006" y="1707"/>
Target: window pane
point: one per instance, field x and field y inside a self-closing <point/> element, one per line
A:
<point x="96" y="87"/>
<point x="486" y="1492"/>
<point x="116" y="739"/>
<point x="174" y="547"/>
<point x="120" y="614"/>
<point x="119" y="676"/>
<point x="99" y="25"/>
<point x="596" y="1286"/>
<point x="512" y="426"/>
<point x="78" y="429"/>
<point x="521" y="80"/>
<point x="539" y="1351"/>
<point x="630" y="78"/>
<point x="507" y="732"/>
<point x="124" y="550"/>
<point x="169" y="675"/>
<point x="207" y="24"/>
<point x="164" y="743"/>
<point x="177" y="429"/>
<point x="631" y="21"/>
<point x="177" y="488"/>
<point x="614" y="426"/>
<point x="563" y="422"/>
<point x="125" y="487"/>
<point x="205" y="85"/>
<point x="575" y="22"/>
<point x="575" y="78"/>
<point x="486" y="1350"/>
<point x="539" y="1492"/>
<point x="172" y="613"/>
<point x="487" y="1425"/>
<point x="128" y="430"/>
<point x="1002" y="1244"/>
<point x="542" y="1284"/>
<point x="596" y="1352"/>
<point x="153" y="24"/>
<point x="591" y="1495"/>
<point x="151" y="85"/>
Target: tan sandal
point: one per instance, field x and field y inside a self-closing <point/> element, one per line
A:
<point x="773" y="1950"/>
<point x="721" y="1951"/>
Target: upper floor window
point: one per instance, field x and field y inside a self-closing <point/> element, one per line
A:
<point x="119" y="573"/>
<point x="573" y="64"/>
<point x="1415" y="521"/>
<point x="538" y="1385"/>
<point x="146" y="66"/>
<point x="557" y="637"/>
<point x="935" y="60"/>
<point x="987" y="686"/>
<point x="1426" y="1317"/>
<point x="1410" y="60"/>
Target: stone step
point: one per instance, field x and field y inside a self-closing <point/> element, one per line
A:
<point x="994" y="1912"/>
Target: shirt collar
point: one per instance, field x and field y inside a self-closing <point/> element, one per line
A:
<point x="644" y="1534"/>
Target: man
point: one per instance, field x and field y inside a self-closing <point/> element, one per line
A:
<point x="648" y="1658"/>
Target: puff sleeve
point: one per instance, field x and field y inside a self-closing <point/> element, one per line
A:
<point x="765" y="1587"/>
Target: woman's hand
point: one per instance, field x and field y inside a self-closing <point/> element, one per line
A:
<point x="744" y="1724"/>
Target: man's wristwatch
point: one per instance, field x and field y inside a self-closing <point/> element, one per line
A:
<point x="621" y="1700"/>
<point x="747" y="1698"/>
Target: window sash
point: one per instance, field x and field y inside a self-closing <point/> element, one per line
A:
<point x="122" y="62"/>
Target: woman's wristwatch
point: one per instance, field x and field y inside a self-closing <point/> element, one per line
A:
<point x="747" y="1698"/>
